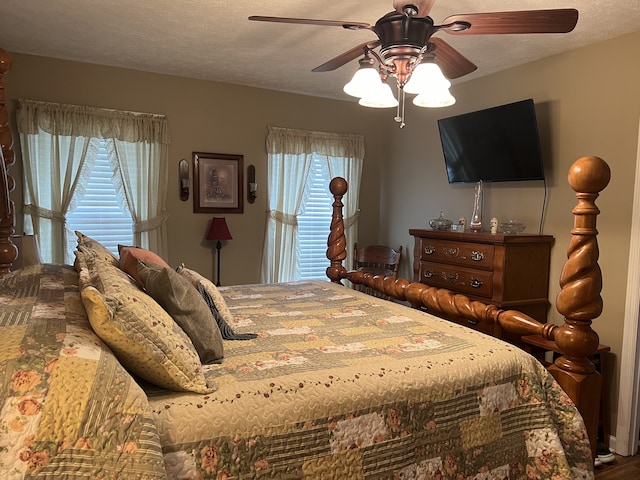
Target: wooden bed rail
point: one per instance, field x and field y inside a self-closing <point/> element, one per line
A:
<point x="8" y="251"/>
<point x="419" y="295"/>
<point x="579" y="300"/>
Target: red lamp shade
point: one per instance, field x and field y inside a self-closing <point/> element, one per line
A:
<point x="219" y="230"/>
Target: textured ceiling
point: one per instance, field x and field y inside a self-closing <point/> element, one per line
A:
<point x="213" y="40"/>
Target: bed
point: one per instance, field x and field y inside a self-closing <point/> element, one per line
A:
<point x="311" y="379"/>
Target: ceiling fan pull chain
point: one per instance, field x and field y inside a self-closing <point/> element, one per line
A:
<point x="400" y="110"/>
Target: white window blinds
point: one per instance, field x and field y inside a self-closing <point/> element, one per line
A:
<point x="98" y="214"/>
<point x="314" y="223"/>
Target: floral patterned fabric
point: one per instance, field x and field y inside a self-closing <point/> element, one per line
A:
<point x="341" y="385"/>
<point x="68" y="409"/>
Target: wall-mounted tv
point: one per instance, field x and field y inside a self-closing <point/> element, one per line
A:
<point x="497" y="144"/>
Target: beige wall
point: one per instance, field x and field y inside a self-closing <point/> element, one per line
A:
<point x="587" y="102"/>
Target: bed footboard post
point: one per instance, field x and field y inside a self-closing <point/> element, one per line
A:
<point x="579" y="300"/>
<point x="337" y="242"/>
<point x="8" y="251"/>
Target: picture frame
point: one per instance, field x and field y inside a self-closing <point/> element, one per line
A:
<point x="217" y="183"/>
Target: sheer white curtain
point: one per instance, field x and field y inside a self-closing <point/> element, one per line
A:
<point x="141" y="170"/>
<point x="289" y="159"/>
<point x="59" y="143"/>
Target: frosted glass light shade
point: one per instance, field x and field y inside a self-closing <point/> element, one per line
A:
<point x="382" y="97"/>
<point x="436" y="98"/>
<point x="363" y="83"/>
<point x="425" y="77"/>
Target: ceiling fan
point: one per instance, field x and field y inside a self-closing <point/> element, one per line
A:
<point x="405" y="37"/>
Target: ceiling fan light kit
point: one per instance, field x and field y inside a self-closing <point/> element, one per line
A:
<point x="422" y="64"/>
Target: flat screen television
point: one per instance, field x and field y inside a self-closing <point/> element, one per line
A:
<point x="497" y="144"/>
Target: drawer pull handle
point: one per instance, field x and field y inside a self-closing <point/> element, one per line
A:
<point x="477" y="256"/>
<point x="428" y="250"/>
<point x="476" y="283"/>
<point x="428" y="274"/>
<point x="450" y="277"/>
<point x="472" y="322"/>
<point x="453" y="252"/>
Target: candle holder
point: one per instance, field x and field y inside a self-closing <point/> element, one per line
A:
<point x="476" y="217"/>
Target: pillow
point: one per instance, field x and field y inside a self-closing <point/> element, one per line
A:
<point x="216" y="303"/>
<point x="86" y="263"/>
<point x="129" y="257"/>
<point x="144" y="337"/>
<point x="92" y="247"/>
<point x="186" y="306"/>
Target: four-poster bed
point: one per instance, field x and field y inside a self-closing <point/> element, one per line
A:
<point x="336" y="384"/>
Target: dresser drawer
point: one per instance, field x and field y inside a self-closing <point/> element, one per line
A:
<point x="471" y="255"/>
<point x="458" y="279"/>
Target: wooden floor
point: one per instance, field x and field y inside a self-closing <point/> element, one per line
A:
<point x="623" y="468"/>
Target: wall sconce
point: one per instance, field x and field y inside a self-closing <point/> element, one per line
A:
<point x="252" y="190"/>
<point x="183" y="175"/>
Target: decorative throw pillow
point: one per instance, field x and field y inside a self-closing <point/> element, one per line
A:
<point x="186" y="306"/>
<point x="129" y="257"/>
<point x="92" y="247"/>
<point x="144" y="337"/>
<point x="216" y="303"/>
<point x="86" y="264"/>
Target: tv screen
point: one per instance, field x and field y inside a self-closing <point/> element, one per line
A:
<point x="498" y="144"/>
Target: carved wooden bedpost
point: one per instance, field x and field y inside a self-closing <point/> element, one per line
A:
<point x="8" y="251"/>
<point x="337" y="242"/>
<point x="579" y="300"/>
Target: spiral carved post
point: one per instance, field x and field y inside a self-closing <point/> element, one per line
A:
<point x="337" y="242"/>
<point x="579" y="300"/>
<point x="8" y="251"/>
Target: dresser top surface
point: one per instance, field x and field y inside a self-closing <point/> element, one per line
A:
<point x="473" y="237"/>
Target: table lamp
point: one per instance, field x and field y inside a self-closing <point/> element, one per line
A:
<point x="219" y="231"/>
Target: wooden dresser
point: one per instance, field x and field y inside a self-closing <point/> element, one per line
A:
<point x="509" y="271"/>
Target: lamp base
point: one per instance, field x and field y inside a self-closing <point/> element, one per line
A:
<point x="218" y="248"/>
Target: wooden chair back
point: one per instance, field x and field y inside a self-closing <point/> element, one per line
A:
<point x="376" y="260"/>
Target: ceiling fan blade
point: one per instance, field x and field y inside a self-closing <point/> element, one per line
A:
<point x="527" y="21"/>
<point x="423" y="6"/>
<point x="310" y="21"/>
<point x="452" y="63"/>
<point x="345" y="57"/>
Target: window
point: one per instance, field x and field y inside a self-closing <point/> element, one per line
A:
<point x="98" y="214"/>
<point x="59" y="142"/>
<point x="314" y="223"/>
<point x="300" y="165"/>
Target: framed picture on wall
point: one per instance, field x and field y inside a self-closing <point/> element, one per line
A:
<point x="217" y="183"/>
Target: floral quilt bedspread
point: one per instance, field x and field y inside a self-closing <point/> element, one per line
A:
<point x="68" y="409"/>
<point x="341" y="385"/>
